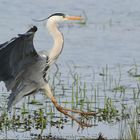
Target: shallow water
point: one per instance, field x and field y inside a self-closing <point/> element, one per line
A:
<point x="109" y="37"/>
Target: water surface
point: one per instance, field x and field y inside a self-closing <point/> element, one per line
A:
<point x="109" y="37"/>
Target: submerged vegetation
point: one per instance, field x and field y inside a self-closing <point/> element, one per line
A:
<point x="111" y="92"/>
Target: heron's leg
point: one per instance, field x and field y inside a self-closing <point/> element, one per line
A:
<point x="67" y="109"/>
<point x="63" y="110"/>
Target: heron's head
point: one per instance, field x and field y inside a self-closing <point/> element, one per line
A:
<point x="60" y="17"/>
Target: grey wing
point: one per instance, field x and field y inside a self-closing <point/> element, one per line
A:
<point x="16" y="53"/>
<point x="15" y="56"/>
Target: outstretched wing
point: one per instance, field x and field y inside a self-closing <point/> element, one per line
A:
<point x="16" y="54"/>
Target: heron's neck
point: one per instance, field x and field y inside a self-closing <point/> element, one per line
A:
<point x="58" y="41"/>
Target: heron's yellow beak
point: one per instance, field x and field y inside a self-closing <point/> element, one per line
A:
<point x="73" y="18"/>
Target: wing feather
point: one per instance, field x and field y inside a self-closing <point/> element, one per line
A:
<point x="16" y="54"/>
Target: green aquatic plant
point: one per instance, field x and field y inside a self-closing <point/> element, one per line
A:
<point x="119" y="88"/>
<point x="35" y="102"/>
<point x="109" y="112"/>
<point x="130" y="129"/>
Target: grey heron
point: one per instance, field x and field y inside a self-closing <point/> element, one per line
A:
<point x="24" y="71"/>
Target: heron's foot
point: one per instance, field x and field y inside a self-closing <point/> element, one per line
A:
<point x="82" y="113"/>
<point x="66" y="111"/>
